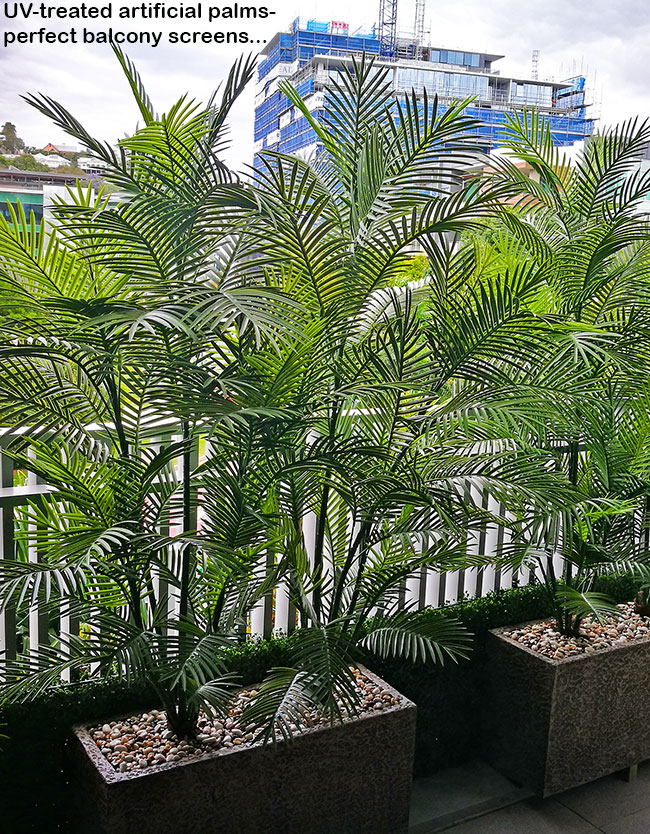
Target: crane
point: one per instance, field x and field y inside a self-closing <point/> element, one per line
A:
<point x="387" y="28"/>
<point x="535" y="65"/>
<point x="418" y="28"/>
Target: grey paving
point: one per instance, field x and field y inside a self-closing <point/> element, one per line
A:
<point x="611" y="798"/>
<point x="474" y="799"/>
<point x="459" y="793"/>
<point x="531" y="816"/>
<point x="638" y="823"/>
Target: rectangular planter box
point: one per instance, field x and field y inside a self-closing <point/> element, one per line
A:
<point x="351" y="778"/>
<point x="553" y="724"/>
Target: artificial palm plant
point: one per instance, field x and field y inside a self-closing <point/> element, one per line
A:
<point x="577" y="234"/>
<point x="408" y="395"/>
<point x="117" y="358"/>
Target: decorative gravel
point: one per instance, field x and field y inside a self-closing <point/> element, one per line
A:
<point x="142" y="741"/>
<point x="543" y="637"/>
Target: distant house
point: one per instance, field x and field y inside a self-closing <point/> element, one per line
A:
<point x="52" y="160"/>
<point x="50" y="148"/>
<point x="91" y="165"/>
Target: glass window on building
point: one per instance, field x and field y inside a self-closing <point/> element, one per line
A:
<point x="453" y="84"/>
<point x="535" y="95"/>
<point x="28" y="207"/>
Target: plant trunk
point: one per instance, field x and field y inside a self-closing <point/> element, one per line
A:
<point x="183" y="720"/>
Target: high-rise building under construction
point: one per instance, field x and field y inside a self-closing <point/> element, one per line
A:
<point x="311" y="53"/>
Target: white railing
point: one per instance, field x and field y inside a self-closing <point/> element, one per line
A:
<point x="272" y="615"/>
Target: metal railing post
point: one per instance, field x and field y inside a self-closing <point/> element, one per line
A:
<point x="8" y="640"/>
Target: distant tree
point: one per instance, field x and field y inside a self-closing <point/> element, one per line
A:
<point x="4" y="163"/>
<point x="26" y="162"/>
<point x="68" y="169"/>
<point x="10" y="142"/>
<point x="414" y="270"/>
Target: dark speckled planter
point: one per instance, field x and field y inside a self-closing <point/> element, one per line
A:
<point x="553" y="724"/>
<point x="353" y="778"/>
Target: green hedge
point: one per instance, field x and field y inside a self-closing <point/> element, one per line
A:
<point x="36" y="794"/>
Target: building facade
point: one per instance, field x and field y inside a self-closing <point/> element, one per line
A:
<point x="34" y="190"/>
<point x="311" y="53"/>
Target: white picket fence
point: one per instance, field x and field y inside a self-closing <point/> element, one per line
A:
<point x="275" y="613"/>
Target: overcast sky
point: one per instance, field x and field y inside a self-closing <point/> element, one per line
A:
<point x="608" y="42"/>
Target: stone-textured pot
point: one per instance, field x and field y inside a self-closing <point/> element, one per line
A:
<point x="553" y="724"/>
<point x="352" y="778"/>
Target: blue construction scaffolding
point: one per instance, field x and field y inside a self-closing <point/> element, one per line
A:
<point x="311" y="53"/>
